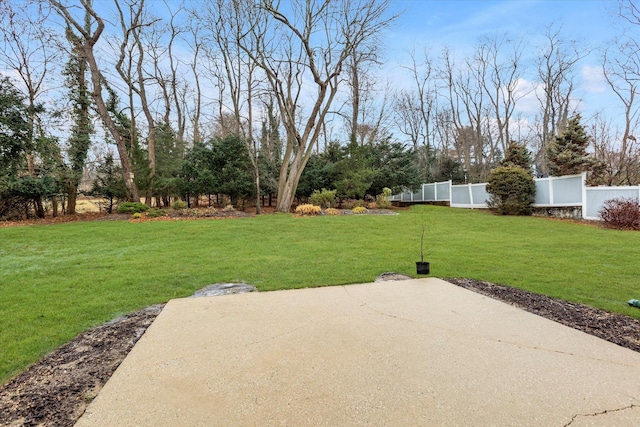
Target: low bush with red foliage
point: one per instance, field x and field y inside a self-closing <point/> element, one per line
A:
<point x="621" y="213"/>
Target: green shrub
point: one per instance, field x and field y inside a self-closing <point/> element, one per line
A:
<point x="132" y="207"/>
<point x="308" y="209"/>
<point x="512" y="191"/>
<point x="332" y="211"/>
<point x="325" y="198"/>
<point x="178" y="205"/>
<point x="359" y="210"/>
<point x="136" y="215"/>
<point x="155" y="213"/>
<point x="382" y="200"/>
<point x="621" y="213"/>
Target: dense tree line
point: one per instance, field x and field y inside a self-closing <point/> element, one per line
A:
<point x="260" y="102"/>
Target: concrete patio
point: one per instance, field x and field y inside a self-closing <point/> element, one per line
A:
<point x="418" y="352"/>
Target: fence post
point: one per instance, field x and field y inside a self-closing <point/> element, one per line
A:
<point x="583" y="182"/>
<point x="550" y="184"/>
<point x="470" y="194"/>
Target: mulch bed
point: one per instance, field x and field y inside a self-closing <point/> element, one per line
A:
<point x="613" y="327"/>
<point x="56" y="390"/>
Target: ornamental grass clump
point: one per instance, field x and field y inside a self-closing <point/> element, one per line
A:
<point x="332" y="211"/>
<point x="359" y="210"/>
<point x="308" y="210"/>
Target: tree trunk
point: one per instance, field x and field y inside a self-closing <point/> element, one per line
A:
<point x="125" y="162"/>
<point x="39" y="207"/>
<point x="72" y="193"/>
<point x="54" y="203"/>
<point x="89" y="40"/>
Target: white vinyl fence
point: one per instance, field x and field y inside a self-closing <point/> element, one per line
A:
<point x="469" y="196"/>
<point x="551" y="192"/>
<point x="596" y="196"/>
<point x="434" y="192"/>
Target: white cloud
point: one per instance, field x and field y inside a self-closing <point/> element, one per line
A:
<point x="528" y="91"/>
<point x="593" y="80"/>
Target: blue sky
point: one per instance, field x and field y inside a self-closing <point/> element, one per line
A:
<point x="458" y="24"/>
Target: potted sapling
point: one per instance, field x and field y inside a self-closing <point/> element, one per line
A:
<point x="422" y="267"/>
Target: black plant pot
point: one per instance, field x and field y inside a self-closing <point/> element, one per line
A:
<point x="422" y="267"/>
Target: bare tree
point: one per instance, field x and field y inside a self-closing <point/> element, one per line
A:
<point x="617" y="165"/>
<point x="311" y="43"/>
<point x="171" y="85"/>
<point x="555" y="67"/>
<point x="463" y="87"/>
<point x="86" y="42"/>
<point x="131" y="66"/>
<point x="366" y="115"/>
<point x="621" y="69"/>
<point x="629" y="11"/>
<point x="503" y="70"/>
<point x="230" y="21"/>
<point x="196" y="45"/>
<point x="415" y="109"/>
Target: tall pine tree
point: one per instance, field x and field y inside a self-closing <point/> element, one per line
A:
<point x="567" y="153"/>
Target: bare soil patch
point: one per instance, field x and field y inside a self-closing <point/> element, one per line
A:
<point x="57" y="390"/>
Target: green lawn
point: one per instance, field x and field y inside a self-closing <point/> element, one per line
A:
<point x="58" y="280"/>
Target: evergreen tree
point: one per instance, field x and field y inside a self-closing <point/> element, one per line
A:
<point x="449" y="169"/>
<point x="14" y="132"/>
<point x="169" y="160"/>
<point x="512" y="191"/>
<point x="196" y="175"/>
<point x="397" y="167"/>
<point x="20" y="190"/>
<point x="518" y="155"/>
<point x="231" y="168"/>
<point x="109" y="183"/>
<point x="355" y="171"/>
<point x="511" y="185"/>
<point x="316" y="175"/>
<point x="270" y="154"/>
<point x="567" y="153"/>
